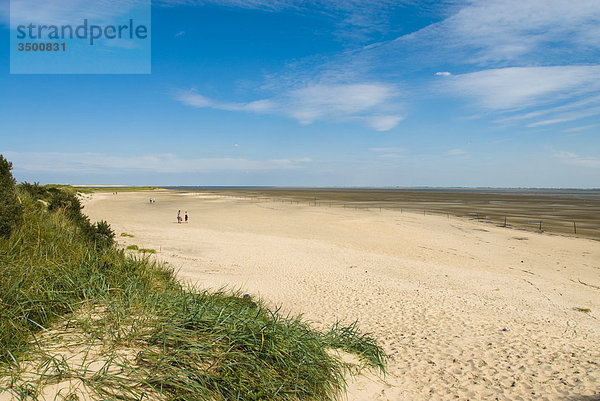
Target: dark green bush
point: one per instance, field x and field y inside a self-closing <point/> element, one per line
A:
<point x="35" y="190"/>
<point x="11" y="212"/>
<point x="65" y="200"/>
<point x="102" y="235"/>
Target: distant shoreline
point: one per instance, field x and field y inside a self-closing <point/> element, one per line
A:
<point x="399" y="189"/>
<point x="339" y="188"/>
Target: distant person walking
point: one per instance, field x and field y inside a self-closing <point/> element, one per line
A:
<point x="179" y="216"/>
<point x="186" y="216"/>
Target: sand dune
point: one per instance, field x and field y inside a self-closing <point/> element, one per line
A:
<point x="466" y="310"/>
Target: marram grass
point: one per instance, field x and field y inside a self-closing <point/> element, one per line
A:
<point x="137" y="333"/>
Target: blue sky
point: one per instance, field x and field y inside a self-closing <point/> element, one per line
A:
<point x="501" y="93"/>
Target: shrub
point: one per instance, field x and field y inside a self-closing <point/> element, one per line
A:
<point x="103" y="235"/>
<point x="100" y="234"/>
<point x="35" y="190"/>
<point x="11" y="211"/>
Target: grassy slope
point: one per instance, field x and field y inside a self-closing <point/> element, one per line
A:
<point x="178" y="343"/>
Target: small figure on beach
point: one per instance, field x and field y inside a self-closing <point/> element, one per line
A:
<point x="179" y="216"/>
<point x="186" y="216"/>
<point x="150" y="200"/>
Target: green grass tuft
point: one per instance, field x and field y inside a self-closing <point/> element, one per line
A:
<point x="147" y="250"/>
<point x="132" y="247"/>
<point x="127" y="235"/>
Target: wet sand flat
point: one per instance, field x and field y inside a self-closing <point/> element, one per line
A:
<point x="569" y="211"/>
<point x="466" y="310"/>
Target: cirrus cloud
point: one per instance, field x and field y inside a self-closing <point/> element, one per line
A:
<point x="573" y="158"/>
<point x="371" y="103"/>
<point x="522" y="87"/>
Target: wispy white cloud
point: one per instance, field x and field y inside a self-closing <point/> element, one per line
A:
<point x="548" y="122"/>
<point x="575" y="159"/>
<point x="443" y="74"/>
<point x="513" y="30"/>
<point x="566" y="117"/>
<point x="339" y="102"/>
<point x="389" y="152"/>
<point x="154" y="163"/>
<point x="521" y="87"/>
<point x="194" y="99"/>
<point x="586" y="103"/>
<point x="456" y="152"/>
<point x="505" y="32"/>
<point x="389" y="149"/>
<point x="384" y="122"/>
<point x="371" y="103"/>
<point x="581" y="128"/>
<point x="391" y="156"/>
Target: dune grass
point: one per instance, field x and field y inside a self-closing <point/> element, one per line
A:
<point x="74" y="308"/>
<point x="140" y="250"/>
<point x="127" y="235"/>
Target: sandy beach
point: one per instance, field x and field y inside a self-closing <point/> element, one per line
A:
<point x="466" y="310"/>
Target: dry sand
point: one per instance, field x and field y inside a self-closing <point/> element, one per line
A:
<point x="466" y="310"/>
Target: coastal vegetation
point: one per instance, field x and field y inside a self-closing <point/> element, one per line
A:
<point x="11" y="211"/>
<point x="83" y="319"/>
